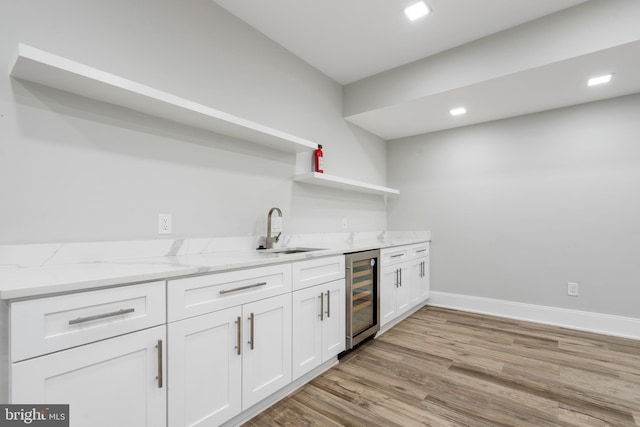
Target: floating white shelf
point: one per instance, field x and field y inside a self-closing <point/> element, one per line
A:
<point x="344" y="184"/>
<point x="51" y="70"/>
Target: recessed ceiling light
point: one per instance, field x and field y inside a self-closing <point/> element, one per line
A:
<point x="599" y="80"/>
<point x="417" y="10"/>
<point x="458" y="111"/>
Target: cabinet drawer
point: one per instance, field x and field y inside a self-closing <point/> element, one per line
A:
<point x="394" y="255"/>
<point x="419" y="250"/>
<point x="193" y="296"/>
<point x="45" y="325"/>
<point x="316" y="271"/>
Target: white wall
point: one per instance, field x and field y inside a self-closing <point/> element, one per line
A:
<point x="520" y="207"/>
<point x="72" y="169"/>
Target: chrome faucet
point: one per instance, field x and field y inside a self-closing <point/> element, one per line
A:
<point x="270" y="240"/>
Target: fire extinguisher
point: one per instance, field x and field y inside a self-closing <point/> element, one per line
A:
<point x="319" y="159"/>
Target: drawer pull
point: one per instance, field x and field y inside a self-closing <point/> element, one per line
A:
<point x="321" y="307"/>
<point x="242" y="288"/>
<point x="421" y="250"/>
<point x="101" y="316"/>
<point x="396" y="256"/>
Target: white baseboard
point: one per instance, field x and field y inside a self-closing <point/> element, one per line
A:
<point x="627" y="327"/>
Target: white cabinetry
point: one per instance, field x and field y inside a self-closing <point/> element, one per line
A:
<point x="394" y="286"/>
<point x="318" y="313"/>
<point x="419" y="266"/>
<point x="230" y="337"/>
<point x="266" y="360"/>
<point x="206" y="369"/>
<point x="115" y="381"/>
<point x="405" y="280"/>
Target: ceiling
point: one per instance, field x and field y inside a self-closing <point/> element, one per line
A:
<point x="353" y="41"/>
<point x="349" y="40"/>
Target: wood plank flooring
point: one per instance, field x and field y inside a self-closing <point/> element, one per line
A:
<point x="449" y="368"/>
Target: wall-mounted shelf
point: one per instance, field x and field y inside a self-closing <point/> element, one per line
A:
<point x="51" y="70"/>
<point x="344" y="184"/>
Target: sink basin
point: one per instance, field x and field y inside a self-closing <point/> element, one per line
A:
<point x="293" y="250"/>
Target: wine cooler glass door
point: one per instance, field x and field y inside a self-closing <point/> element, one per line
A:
<point x="363" y="295"/>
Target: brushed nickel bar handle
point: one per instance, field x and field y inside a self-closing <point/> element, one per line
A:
<point x="421" y="268"/>
<point x="321" y="306"/>
<point x="328" y="304"/>
<point x="239" y="340"/>
<point x="395" y="278"/>
<point x="101" y="316"/>
<point x="252" y="319"/>
<point x="400" y="270"/>
<point x="396" y="256"/>
<point x="421" y="250"/>
<point x="159" y="377"/>
<point x="242" y="288"/>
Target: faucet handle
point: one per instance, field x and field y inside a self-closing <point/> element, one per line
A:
<point x="278" y="237"/>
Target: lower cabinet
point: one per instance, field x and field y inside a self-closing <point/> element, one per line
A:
<point x="206" y="369"/>
<point x="318" y="325"/>
<point x="115" y="382"/>
<point x="266" y="356"/>
<point x="394" y="292"/>
<point x="419" y="290"/>
<point x="224" y="362"/>
<point x="405" y="280"/>
<point x="231" y="340"/>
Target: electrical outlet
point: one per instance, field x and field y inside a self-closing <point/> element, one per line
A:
<point x="164" y="224"/>
<point x="573" y="289"/>
<point x="344" y="223"/>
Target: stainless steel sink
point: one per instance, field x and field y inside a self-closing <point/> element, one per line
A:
<point x="293" y="250"/>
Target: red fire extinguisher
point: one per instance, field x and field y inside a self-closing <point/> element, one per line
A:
<point x="319" y="159"/>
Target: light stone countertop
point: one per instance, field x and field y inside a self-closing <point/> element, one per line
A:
<point x="28" y="271"/>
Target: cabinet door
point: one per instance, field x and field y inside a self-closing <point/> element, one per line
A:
<point x="416" y="281"/>
<point x="333" y="319"/>
<point x="388" y="291"/>
<point x="425" y="284"/>
<point x="115" y="382"/>
<point x="307" y="330"/>
<point x="205" y="369"/>
<point x="266" y="353"/>
<point x="403" y="291"/>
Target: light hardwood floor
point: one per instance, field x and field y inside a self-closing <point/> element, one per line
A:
<point x="449" y="368"/>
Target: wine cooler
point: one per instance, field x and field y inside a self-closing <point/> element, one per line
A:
<point x="362" y="293"/>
